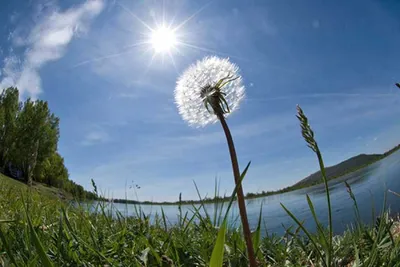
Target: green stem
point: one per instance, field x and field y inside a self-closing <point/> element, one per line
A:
<point x="322" y="167"/>
<point x="240" y="195"/>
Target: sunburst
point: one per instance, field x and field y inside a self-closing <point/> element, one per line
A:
<point x="163" y="39"/>
<point x="160" y="40"/>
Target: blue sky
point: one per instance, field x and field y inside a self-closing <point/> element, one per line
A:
<point x="339" y="60"/>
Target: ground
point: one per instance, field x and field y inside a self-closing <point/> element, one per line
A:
<point x="38" y="187"/>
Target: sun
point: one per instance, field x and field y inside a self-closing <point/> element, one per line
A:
<point x="163" y="39"/>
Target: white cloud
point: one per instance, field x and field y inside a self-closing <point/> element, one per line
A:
<point x="96" y="137"/>
<point x="10" y="71"/>
<point x="46" y="42"/>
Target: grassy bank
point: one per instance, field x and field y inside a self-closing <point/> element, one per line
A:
<point x="40" y="230"/>
<point x="40" y="188"/>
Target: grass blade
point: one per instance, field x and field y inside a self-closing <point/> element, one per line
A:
<point x="6" y="221"/>
<point x="257" y="234"/>
<point x="234" y="190"/>
<point x="306" y="232"/>
<point x="308" y="135"/>
<point x="36" y="241"/>
<point x="319" y="227"/>
<point x="218" y="251"/>
<point x="394" y="193"/>
<point x="7" y="247"/>
<point x="44" y="258"/>
<point x="80" y="241"/>
<point x="217" y="256"/>
<point x="59" y="239"/>
<point x="164" y="220"/>
<point x="201" y="201"/>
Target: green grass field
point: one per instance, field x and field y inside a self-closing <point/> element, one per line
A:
<point x="38" y="229"/>
<point x="38" y="187"/>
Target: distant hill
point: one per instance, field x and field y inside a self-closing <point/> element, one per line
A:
<point x="332" y="172"/>
<point x="340" y="169"/>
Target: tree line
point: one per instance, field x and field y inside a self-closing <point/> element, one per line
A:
<point x="29" y="134"/>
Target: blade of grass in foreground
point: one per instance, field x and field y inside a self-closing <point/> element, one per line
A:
<point x="217" y="256"/>
<point x="394" y="193"/>
<point x="201" y="201"/>
<point x="6" y="221"/>
<point x="7" y="248"/>
<point x="379" y="235"/>
<point x="257" y="234"/>
<point x="318" y="224"/>
<point x="44" y="258"/>
<point x="164" y="220"/>
<point x="235" y="190"/>
<point x="153" y="251"/>
<point x="59" y="239"/>
<point x="308" y="234"/>
<point x="78" y="240"/>
<point x="216" y="202"/>
<point x="308" y="135"/>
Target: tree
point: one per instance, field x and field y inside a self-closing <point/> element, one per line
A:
<point x="29" y="134"/>
<point x="36" y="137"/>
<point x="53" y="171"/>
<point x="9" y="108"/>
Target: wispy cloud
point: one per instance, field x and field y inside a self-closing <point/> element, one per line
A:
<point x="47" y="41"/>
<point x="94" y="137"/>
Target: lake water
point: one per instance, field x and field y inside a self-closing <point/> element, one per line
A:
<point x="368" y="184"/>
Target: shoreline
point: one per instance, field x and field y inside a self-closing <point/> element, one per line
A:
<point x="254" y="195"/>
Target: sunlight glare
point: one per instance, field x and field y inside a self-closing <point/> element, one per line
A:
<point x="163" y="39"/>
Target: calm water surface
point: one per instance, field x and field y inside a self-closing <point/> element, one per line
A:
<point x="368" y="185"/>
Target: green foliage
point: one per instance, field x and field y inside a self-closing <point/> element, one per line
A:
<point x="37" y="243"/>
<point x="29" y="134"/>
<point x="36" y="137"/>
<point x="217" y="256"/>
<point x="9" y="108"/>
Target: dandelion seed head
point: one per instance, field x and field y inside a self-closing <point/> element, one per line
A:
<point x="207" y="72"/>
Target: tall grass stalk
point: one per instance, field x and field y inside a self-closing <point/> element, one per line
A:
<point x="326" y="244"/>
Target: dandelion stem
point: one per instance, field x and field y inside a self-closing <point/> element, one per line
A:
<point x="240" y="195"/>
